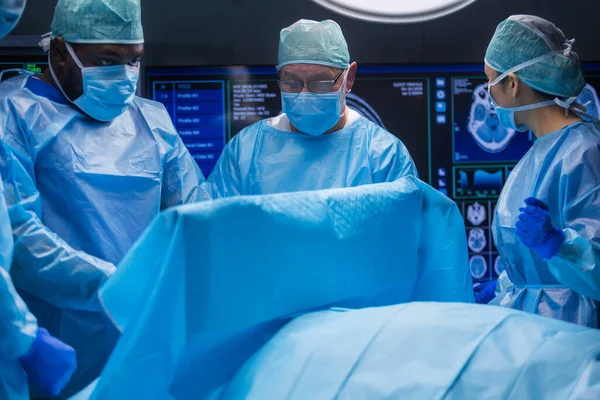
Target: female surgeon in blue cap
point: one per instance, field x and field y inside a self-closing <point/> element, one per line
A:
<point x="547" y="222"/>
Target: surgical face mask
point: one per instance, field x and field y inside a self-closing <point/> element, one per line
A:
<point x="107" y="91"/>
<point x="314" y="113"/>
<point x="10" y="14"/>
<point x="507" y="115"/>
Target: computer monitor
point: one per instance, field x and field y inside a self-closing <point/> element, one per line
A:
<point x="32" y="63"/>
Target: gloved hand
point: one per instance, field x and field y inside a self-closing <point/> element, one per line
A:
<point x="49" y="363"/>
<point x="484" y="293"/>
<point x="536" y="231"/>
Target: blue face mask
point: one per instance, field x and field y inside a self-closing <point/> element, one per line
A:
<point x="10" y="14"/>
<point x="507" y="115"/>
<point x="314" y="113"/>
<point x="107" y="91"/>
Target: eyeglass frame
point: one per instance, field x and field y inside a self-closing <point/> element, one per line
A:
<point x="307" y="85"/>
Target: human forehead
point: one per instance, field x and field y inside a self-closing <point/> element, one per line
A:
<point x="305" y="71"/>
<point x="119" y="51"/>
<point x="490" y="72"/>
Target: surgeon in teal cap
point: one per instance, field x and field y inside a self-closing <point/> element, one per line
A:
<point x="547" y="221"/>
<point x="94" y="164"/>
<point x="317" y="142"/>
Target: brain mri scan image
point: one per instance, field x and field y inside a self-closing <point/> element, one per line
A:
<point x="484" y="124"/>
<point x="363" y="108"/>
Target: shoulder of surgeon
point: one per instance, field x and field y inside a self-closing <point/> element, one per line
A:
<point x="581" y="145"/>
<point x="382" y="143"/>
<point x="362" y="126"/>
<point x="156" y="115"/>
<point x="376" y="133"/>
<point x="13" y="88"/>
<point x="581" y="136"/>
<point x="250" y="133"/>
<point x="13" y="93"/>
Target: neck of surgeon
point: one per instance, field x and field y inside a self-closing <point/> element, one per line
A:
<point x="543" y="121"/>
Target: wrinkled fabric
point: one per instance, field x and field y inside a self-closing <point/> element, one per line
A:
<point x="18" y="326"/>
<point x="523" y="38"/>
<point x="181" y="292"/>
<point x="81" y="193"/>
<point x="422" y="351"/>
<point x="99" y="21"/>
<point x="264" y="160"/>
<point x="312" y="42"/>
<point x="562" y="169"/>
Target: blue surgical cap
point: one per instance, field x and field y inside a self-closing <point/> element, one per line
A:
<point x="311" y="42"/>
<point x="522" y="38"/>
<point x="99" y="21"/>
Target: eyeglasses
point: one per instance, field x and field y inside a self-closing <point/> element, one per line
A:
<point x="313" y="86"/>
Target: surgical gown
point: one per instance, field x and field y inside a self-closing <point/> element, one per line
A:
<point x="17" y="325"/>
<point x="263" y="159"/>
<point x="84" y="194"/>
<point x="563" y="170"/>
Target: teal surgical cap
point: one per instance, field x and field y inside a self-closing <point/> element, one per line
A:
<point x="99" y="21"/>
<point x="525" y="38"/>
<point x="311" y="42"/>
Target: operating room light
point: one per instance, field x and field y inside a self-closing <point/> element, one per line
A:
<point x="395" y="11"/>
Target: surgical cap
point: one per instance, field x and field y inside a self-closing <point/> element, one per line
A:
<point x="99" y="21"/>
<point x="311" y="42"/>
<point x="522" y="38"/>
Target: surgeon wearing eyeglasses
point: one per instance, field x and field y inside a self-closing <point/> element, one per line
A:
<point x="317" y="142"/>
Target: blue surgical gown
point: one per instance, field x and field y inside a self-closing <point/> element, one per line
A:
<point x="264" y="160"/>
<point x="84" y="194"/>
<point x="18" y="326"/>
<point x="563" y="170"/>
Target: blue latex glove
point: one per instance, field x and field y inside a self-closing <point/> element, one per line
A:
<point x="49" y="363"/>
<point x="484" y="293"/>
<point x="536" y="231"/>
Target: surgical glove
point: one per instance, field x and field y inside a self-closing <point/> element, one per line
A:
<point x="484" y="293"/>
<point x="49" y="363"/>
<point x="536" y="231"/>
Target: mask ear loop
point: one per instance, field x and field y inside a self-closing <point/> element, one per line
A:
<point x="576" y="108"/>
<point x="58" y="85"/>
<point x="45" y="42"/>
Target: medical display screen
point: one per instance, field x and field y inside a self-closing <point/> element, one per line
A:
<point x="11" y="65"/>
